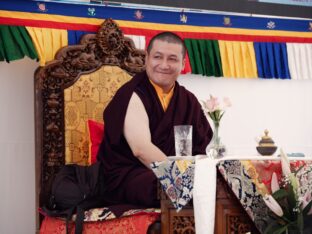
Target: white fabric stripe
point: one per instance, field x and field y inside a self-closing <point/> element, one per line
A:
<point x="300" y="60"/>
<point x="139" y="41"/>
<point x="204" y="194"/>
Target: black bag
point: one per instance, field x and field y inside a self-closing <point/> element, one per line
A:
<point x="75" y="189"/>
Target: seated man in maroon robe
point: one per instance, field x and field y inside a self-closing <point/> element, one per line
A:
<point x="139" y="123"/>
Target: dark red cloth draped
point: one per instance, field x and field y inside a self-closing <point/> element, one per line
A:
<point x="121" y="167"/>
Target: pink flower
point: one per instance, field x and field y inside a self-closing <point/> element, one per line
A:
<point x="227" y="102"/>
<point x="274" y="183"/>
<point x="285" y="164"/>
<point x="273" y="205"/>
<point x="212" y="104"/>
<point x="213" y="108"/>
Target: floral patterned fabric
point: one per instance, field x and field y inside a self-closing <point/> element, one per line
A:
<point x="250" y="179"/>
<point x="104" y="214"/>
<point x="176" y="178"/>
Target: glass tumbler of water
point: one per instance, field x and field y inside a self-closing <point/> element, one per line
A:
<point x="183" y="139"/>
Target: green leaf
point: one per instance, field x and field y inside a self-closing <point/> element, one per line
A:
<point x="299" y="221"/>
<point x="271" y="226"/>
<point x="217" y="114"/>
<point x="307" y="208"/>
<point x="292" y="201"/>
<point x="280" y="194"/>
<point x="287" y="215"/>
<point x="278" y="230"/>
<point x="299" y="169"/>
<point x="212" y="116"/>
<point x="221" y="115"/>
<point x="293" y="182"/>
<point x="307" y="221"/>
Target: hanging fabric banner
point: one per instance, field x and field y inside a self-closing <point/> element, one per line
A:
<point x="148" y="22"/>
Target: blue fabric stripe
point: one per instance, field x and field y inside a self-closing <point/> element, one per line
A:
<point x="258" y="59"/>
<point x="75" y="36"/>
<point x="156" y="16"/>
<point x="284" y="60"/>
<point x="265" y="61"/>
<point x="271" y="59"/>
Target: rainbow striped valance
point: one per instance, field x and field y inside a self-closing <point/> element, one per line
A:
<point x="218" y="45"/>
<point x="146" y="21"/>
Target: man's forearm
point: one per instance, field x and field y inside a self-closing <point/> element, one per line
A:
<point x="149" y="153"/>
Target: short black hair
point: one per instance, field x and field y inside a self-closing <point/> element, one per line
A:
<point x="169" y="37"/>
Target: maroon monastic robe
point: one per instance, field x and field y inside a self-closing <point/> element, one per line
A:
<point x="127" y="180"/>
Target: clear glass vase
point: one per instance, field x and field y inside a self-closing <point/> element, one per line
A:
<point x="216" y="149"/>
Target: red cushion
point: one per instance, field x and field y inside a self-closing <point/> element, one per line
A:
<point x="137" y="224"/>
<point x="96" y="133"/>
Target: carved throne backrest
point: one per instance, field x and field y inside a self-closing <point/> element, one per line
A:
<point x="110" y="55"/>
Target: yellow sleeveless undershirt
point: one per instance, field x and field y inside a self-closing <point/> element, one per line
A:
<point x="164" y="98"/>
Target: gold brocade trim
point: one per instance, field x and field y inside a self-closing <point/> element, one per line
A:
<point x="253" y="174"/>
<point x="183" y="165"/>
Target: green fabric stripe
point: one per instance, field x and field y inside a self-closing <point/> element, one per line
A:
<point x="217" y="58"/>
<point x="1" y="50"/>
<point x="189" y="48"/>
<point x="11" y="49"/>
<point x="204" y="57"/>
<point x="25" y="42"/>
<point x="199" y="65"/>
<point x="210" y="58"/>
<point x="15" y="43"/>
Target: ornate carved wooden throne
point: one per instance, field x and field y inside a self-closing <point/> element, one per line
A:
<point x="77" y="86"/>
<point x="54" y="103"/>
<point x="72" y="89"/>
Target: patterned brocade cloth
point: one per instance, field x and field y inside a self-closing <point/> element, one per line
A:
<point x="250" y="179"/>
<point x="176" y="178"/>
<point x="179" y="175"/>
<point x="105" y="214"/>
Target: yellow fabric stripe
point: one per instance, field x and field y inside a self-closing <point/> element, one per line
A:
<point x="154" y="26"/>
<point x="238" y="59"/>
<point x="47" y="42"/>
<point x="37" y="40"/>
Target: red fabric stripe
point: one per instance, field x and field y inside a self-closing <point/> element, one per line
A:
<point x="218" y="36"/>
<point x="48" y="24"/>
<point x="150" y="33"/>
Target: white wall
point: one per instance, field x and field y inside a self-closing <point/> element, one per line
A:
<point x="17" y="160"/>
<point x="284" y="107"/>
